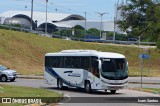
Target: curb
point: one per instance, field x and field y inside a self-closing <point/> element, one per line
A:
<point x="30" y="77"/>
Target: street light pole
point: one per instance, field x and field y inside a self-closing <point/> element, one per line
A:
<point x="101" y="27"/>
<point x="114" y="35"/>
<point x="115" y="19"/>
<point x="85" y="26"/>
<point x="31" y="15"/>
<point x="101" y="14"/>
<point x="46" y="18"/>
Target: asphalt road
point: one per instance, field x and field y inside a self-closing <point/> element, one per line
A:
<point x="98" y="96"/>
<point x="148" y="80"/>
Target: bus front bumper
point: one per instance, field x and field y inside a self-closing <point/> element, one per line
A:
<point x="114" y="86"/>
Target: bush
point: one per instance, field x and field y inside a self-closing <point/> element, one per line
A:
<point x="4" y="27"/>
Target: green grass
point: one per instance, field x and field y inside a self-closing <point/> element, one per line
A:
<point x="151" y="90"/>
<point x="25" y="52"/>
<point x="11" y="104"/>
<point x="16" y="91"/>
<point x="157" y="90"/>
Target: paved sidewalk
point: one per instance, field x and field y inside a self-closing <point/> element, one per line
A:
<point x="30" y="77"/>
<point x="151" y="80"/>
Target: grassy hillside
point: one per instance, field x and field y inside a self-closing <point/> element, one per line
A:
<point x="25" y="52"/>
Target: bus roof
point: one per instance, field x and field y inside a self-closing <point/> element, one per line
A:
<point x="86" y="53"/>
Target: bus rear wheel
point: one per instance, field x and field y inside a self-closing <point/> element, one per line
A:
<point x="59" y="83"/>
<point x="88" y="87"/>
<point x="113" y="91"/>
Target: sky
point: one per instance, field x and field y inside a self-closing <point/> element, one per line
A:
<point x="92" y="7"/>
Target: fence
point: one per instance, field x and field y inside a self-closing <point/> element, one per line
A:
<point x="73" y="38"/>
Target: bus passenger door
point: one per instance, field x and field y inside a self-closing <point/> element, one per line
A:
<point x="97" y="81"/>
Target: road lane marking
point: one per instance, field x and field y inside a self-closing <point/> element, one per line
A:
<point x="69" y="98"/>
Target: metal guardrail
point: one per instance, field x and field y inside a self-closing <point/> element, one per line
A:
<point x="76" y="39"/>
<point x="116" y="42"/>
<point x="130" y="42"/>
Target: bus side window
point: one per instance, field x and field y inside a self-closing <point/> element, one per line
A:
<point x="67" y="62"/>
<point x="47" y="61"/>
<point x="59" y="62"/>
<point x="76" y="62"/>
<point x="85" y="62"/>
<point x="54" y="61"/>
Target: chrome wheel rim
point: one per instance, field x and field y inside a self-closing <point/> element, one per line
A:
<point x="87" y="87"/>
<point x="60" y="84"/>
<point x="3" y="79"/>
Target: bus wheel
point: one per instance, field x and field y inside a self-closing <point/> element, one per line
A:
<point x="113" y="91"/>
<point x="59" y="83"/>
<point x="88" y="87"/>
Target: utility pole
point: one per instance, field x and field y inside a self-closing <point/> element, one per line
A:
<point x="46" y="18"/>
<point x="31" y="14"/>
<point x="114" y="29"/>
<point x="101" y="14"/>
<point x="85" y="25"/>
<point x="115" y="19"/>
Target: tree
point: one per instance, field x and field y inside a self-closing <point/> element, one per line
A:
<point x="93" y="31"/>
<point x="79" y="31"/>
<point x="121" y="37"/>
<point x="141" y="18"/>
<point x="78" y="27"/>
<point x="64" y="32"/>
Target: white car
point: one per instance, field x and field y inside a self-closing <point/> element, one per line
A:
<point x="7" y="74"/>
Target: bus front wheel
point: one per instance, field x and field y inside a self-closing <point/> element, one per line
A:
<point x="113" y="91"/>
<point x="59" y="83"/>
<point x="88" y="87"/>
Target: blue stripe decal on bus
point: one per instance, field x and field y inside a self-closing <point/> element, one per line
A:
<point x="70" y="73"/>
<point x="50" y="71"/>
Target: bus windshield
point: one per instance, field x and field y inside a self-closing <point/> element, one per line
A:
<point x="114" y="69"/>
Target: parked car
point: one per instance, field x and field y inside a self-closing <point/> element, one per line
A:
<point x="132" y="39"/>
<point x="7" y="74"/>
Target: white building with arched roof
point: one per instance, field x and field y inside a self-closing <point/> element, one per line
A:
<point x="54" y="21"/>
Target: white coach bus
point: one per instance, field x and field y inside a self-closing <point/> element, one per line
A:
<point x="87" y="69"/>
